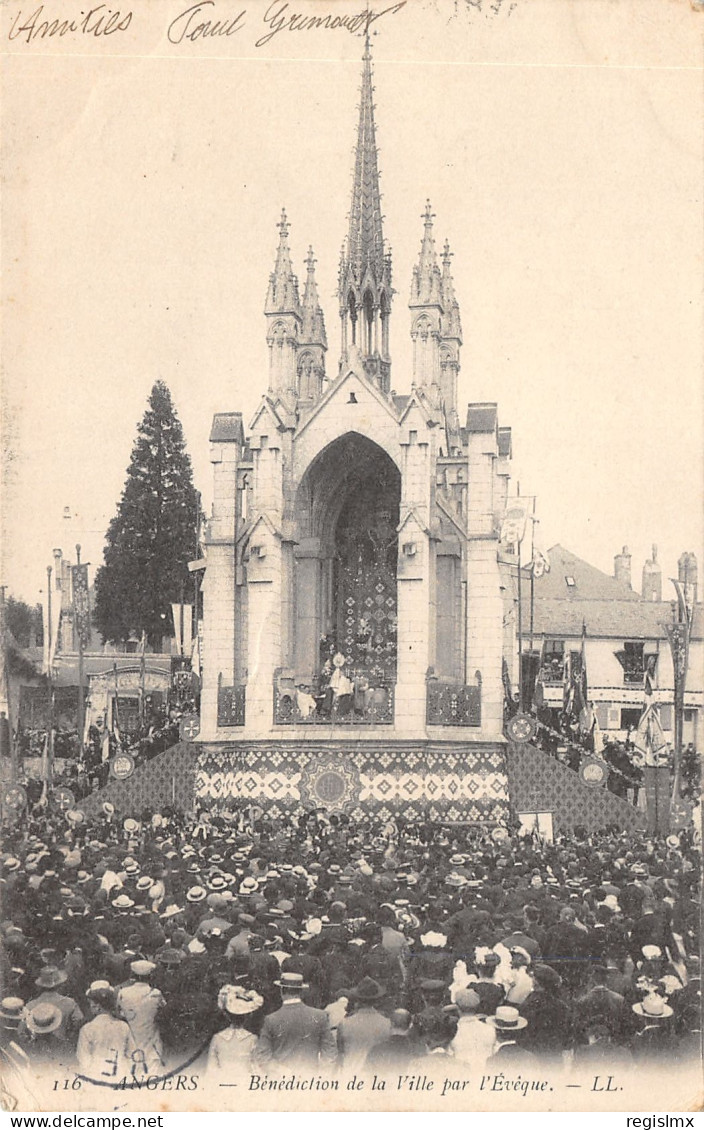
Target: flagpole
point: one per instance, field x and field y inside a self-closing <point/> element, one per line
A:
<point x="532" y="575"/>
<point x="5" y="689"/>
<point x="81" y="673"/>
<point x="49" y="760"/>
<point x="520" y="618"/>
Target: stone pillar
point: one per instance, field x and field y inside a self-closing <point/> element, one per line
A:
<point x="416" y="577"/>
<point x="219" y="581"/>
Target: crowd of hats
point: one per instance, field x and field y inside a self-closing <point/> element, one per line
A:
<point x="224" y="917"/>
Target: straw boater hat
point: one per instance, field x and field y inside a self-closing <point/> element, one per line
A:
<point x="123" y="902"/>
<point x="653" y="1007"/>
<point x="171" y="911"/>
<point x="144" y="883"/>
<point x="248" y="886"/>
<point x="142" y="968"/>
<point x="291" y="981"/>
<point x="96" y="987"/>
<point x="507" y="1019"/>
<point x="51" y="977"/>
<point x="43" y="1019"/>
<point x="238" y="1001"/>
<point x="196" y="894"/>
<point x="11" y="1008"/>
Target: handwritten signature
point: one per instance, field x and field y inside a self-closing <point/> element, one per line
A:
<point x="199" y="21"/>
<point x="98" y="21"/>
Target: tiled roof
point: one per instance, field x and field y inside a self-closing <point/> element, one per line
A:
<point x="227" y="428"/>
<point x="611" y="619"/>
<point x="589" y="582"/>
<point x="482" y="417"/>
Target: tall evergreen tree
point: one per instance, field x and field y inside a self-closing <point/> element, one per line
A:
<point x="152" y="536"/>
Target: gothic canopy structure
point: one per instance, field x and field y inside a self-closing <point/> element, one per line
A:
<point x="356" y="615"/>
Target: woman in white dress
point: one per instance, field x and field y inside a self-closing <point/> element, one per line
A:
<point x="230" y="1051"/>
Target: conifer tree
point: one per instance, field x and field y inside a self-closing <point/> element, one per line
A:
<point x="152" y="536"/>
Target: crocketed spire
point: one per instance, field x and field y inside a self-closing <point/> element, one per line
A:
<point x="313" y="324"/>
<point x="451" y="326"/>
<point x="426" y="283"/>
<point x="282" y="296"/>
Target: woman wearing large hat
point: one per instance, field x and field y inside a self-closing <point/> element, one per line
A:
<point x="231" y="1050"/>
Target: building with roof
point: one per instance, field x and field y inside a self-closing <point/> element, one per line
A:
<point x="354" y="603"/>
<point x="624" y="635"/>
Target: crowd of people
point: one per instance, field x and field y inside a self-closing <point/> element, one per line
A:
<point x="135" y="944"/>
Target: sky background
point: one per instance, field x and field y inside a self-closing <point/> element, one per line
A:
<point x="560" y="144"/>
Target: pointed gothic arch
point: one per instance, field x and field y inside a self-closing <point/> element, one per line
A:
<point x="347" y="512"/>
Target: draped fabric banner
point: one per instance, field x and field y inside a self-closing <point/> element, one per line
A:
<point x="81" y="604"/>
<point x="678" y="635"/>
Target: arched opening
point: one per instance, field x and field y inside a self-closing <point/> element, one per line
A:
<point x="352" y="307"/>
<point x="384" y="317"/>
<point x="368" y="306"/>
<point x="345" y="599"/>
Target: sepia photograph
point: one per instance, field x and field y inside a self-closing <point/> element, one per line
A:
<point x="352" y="666"/>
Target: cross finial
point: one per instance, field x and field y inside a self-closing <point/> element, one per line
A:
<point x="310" y="261"/>
<point x="283" y="224"/>
<point x="446" y="253"/>
<point x="428" y="216"/>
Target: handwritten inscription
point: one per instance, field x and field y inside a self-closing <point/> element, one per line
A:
<point x="279" y="17"/>
<point x="200" y="21"/>
<point x="191" y="25"/>
<point x="97" y="21"/>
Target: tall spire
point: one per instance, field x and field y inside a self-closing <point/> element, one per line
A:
<point x="365" y="239"/>
<point x="426" y="284"/>
<point x="282" y="296"/>
<point x="283" y="315"/>
<point x="365" y="264"/>
<point x="451" y="325"/>
<point x="313" y="327"/>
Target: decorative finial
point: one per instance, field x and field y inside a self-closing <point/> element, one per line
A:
<point x="283" y="224"/>
<point x="428" y="216"/>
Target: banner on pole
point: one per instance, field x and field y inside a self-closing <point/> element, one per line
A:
<point x="81" y="605"/>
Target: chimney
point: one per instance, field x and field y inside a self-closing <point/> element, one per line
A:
<point x="687" y="576"/>
<point x="652" y="578"/>
<point x="622" y="566"/>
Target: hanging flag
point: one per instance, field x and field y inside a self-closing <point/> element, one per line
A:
<point x="649" y="677"/>
<point x="513" y="525"/>
<point x="51" y="626"/>
<point x="581" y="687"/>
<point x="183" y="627"/>
<point x="567" y="686"/>
<point x="540" y="563"/>
<point x="81" y="604"/>
<point x="685" y="601"/>
<point x="649" y="738"/>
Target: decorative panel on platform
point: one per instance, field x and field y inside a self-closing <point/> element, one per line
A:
<point x="231" y="706"/>
<point x="453" y="704"/>
<point x="418" y="781"/>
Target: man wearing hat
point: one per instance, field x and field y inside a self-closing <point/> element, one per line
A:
<point x="141" y="1004"/>
<point x="43" y="1035"/>
<point x="358" y="1033"/>
<point x="295" y="1035"/>
<point x="50" y="980"/>
<point x="508" y="1024"/>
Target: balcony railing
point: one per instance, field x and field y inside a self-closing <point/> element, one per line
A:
<point x="231" y="706"/>
<point x="372" y="706"/>
<point x="453" y="704"/>
<point x="552" y="673"/>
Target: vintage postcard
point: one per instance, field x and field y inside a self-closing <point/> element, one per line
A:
<point x="352" y="640"/>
